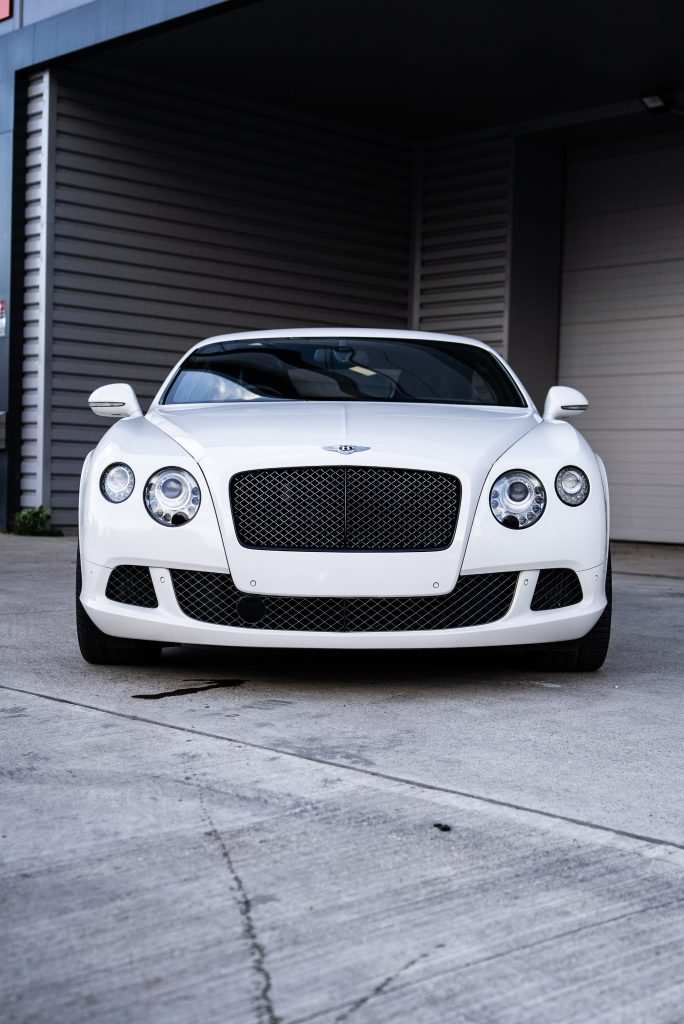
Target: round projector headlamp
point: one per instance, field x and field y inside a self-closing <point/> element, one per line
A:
<point x="517" y="499"/>
<point x="172" y="496"/>
<point x="572" y="485"/>
<point x="117" y="482"/>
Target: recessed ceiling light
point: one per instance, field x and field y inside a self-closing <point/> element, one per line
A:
<point x="654" y="102"/>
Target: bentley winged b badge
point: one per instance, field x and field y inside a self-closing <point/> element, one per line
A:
<point x="346" y="449"/>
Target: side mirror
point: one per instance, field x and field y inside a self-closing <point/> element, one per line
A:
<point x="116" y="401"/>
<point x="563" y="403"/>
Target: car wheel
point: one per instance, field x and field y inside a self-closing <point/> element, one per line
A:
<point x="586" y="654"/>
<point x="99" y="649"/>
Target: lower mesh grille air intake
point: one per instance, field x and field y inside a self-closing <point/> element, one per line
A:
<point x="131" y="584"/>
<point x="345" y="508"/>
<point x="556" y="588"/>
<point x="474" y="601"/>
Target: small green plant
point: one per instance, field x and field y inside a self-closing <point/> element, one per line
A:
<point x="34" y="522"/>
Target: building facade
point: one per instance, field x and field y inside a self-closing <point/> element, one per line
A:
<point x="144" y="209"/>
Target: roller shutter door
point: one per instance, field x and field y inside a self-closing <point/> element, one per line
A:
<point x="622" y="324"/>
<point x="179" y="216"/>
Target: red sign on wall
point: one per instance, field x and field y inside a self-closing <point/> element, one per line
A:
<point x="5" y="9"/>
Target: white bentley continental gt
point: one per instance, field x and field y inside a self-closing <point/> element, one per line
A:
<point x="343" y="488"/>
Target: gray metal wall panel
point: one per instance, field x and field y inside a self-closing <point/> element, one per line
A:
<point x="622" y="324"/>
<point x="36" y="299"/>
<point x="177" y="218"/>
<point x="465" y="231"/>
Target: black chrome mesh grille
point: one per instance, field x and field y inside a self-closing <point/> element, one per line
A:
<point x="131" y="584"/>
<point x="345" y="508"/>
<point x="556" y="588"/>
<point x="213" y="597"/>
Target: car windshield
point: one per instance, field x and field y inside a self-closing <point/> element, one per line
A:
<point x="343" y="370"/>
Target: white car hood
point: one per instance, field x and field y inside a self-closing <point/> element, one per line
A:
<point x="462" y="440"/>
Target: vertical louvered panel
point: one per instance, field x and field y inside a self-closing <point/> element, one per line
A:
<point x="179" y="216"/>
<point x="37" y="239"/>
<point x="464" y="228"/>
<point x="622" y="324"/>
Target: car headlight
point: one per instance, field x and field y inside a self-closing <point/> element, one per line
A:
<point x="172" y="496"/>
<point x="517" y="499"/>
<point x="117" y="482"/>
<point x="572" y="485"/>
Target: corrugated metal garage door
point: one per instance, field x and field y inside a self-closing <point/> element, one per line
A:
<point x="464" y="231"/>
<point x="622" y="330"/>
<point x="175" y="220"/>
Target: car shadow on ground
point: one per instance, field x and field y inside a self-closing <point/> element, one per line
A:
<point x="216" y="667"/>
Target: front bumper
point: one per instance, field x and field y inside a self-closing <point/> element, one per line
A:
<point x="167" y="624"/>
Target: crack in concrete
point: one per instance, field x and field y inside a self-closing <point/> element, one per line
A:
<point x="565" y="934"/>
<point x="264" y="1003"/>
<point x="378" y="989"/>
<point x="490" y="958"/>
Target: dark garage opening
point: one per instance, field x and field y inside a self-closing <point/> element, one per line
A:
<point x="283" y="164"/>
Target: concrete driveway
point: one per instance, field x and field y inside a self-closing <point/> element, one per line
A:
<point x="247" y="837"/>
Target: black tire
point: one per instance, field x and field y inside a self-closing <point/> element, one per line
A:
<point x="99" y="649"/>
<point x="586" y="654"/>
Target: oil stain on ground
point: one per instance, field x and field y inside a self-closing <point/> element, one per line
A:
<point x="182" y="691"/>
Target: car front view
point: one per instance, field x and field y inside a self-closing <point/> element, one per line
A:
<point x="342" y="488"/>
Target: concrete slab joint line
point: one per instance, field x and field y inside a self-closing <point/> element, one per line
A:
<point x="647" y="842"/>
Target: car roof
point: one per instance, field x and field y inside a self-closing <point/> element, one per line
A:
<point x="347" y="332"/>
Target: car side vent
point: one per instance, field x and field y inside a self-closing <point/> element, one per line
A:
<point x="131" y="584"/>
<point x="556" y="588"/>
